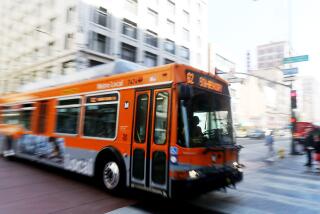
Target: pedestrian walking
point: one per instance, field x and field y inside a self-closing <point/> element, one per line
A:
<point x="269" y="143"/>
<point x="309" y="146"/>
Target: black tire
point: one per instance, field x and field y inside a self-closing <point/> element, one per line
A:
<point x="111" y="175"/>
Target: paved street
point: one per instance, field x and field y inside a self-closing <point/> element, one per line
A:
<point x="282" y="186"/>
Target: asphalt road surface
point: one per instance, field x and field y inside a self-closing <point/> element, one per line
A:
<point x="281" y="186"/>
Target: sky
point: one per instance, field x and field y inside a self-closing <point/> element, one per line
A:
<point x="238" y="26"/>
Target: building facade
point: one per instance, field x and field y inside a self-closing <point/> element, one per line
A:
<point x="263" y="104"/>
<point x="41" y="39"/>
<point x="271" y="55"/>
<point x="308" y="100"/>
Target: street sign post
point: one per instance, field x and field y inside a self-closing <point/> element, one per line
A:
<point x="290" y="71"/>
<point x="295" y="59"/>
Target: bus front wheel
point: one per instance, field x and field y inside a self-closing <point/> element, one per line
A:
<point x="112" y="176"/>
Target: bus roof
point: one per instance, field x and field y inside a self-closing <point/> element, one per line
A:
<point x="143" y="77"/>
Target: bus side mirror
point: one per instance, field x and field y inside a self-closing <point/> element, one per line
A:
<point x="185" y="92"/>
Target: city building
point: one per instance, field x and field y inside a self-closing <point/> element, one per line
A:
<point x="308" y="100"/>
<point x="218" y="61"/>
<point x="271" y="55"/>
<point x="263" y="104"/>
<point x="44" y="38"/>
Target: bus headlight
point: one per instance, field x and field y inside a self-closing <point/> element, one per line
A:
<point x="193" y="174"/>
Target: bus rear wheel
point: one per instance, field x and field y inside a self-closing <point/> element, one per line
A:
<point x="112" y="176"/>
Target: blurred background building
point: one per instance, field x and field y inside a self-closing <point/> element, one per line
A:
<point x="271" y="55"/>
<point x="309" y="101"/>
<point x="44" y="38"/>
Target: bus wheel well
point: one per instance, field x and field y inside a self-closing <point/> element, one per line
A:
<point x="108" y="153"/>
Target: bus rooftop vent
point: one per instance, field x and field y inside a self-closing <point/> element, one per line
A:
<point x="116" y="67"/>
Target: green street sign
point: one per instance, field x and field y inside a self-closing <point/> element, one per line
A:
<point x="295" y="59"/>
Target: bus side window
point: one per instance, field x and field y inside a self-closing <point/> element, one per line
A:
<point x="25" y="115"/>
<point x="43" y="108"/>
<point x="67" y="113"/>
<point x="101" y="113"/>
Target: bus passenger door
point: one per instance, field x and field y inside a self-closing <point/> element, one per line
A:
<point x="149" y="157"/>
<point x="159" y="155"/>
<point x="140" y="138"/>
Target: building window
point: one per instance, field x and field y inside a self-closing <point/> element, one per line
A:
<point x="185" y="35"/>
<point x="150" y="59"/>
<point x="185" y="53"/>
<point x="35" y="53"/>
<point x="68" y="41"/>
<point x="50" y="48"/>
<point x="67" y="116"/>
<point x="94" y="63"/>
<point x="199" y="8"/>
<point x="100" y="43"/>
<point x="198" y="58"/>
<point x="171" y="8"/>
<point x="170" y="26"/>
<point x="34" y="76"/>
<point x="101" y="116"/>
<point x="128" y="52"/>
<point x="48" y="72"/>
<point x="131" y="6"/>
<point x="152" y="17"/>
<point x="129" y="28"/>
<point x="151" y="38"/>
<point x="199" y="25"/>
<point x="52" y="25"/>
<point x="168" y="61"/>
<point x="101" y="17"/>
<point x="199" y="42"/>
<point x="67" y="67"/>
<point x="169" y="46"/>
<point x="186" y="18"/>
<point x="70" y="14"/>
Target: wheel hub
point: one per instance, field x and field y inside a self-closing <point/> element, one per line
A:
<point x="111" y="175"/>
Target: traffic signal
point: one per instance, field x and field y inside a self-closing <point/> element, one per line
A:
<point x="293" y="99"/>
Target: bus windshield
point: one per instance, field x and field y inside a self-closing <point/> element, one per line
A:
<point x="207" y="117"/>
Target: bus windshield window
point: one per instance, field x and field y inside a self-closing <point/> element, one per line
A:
<point x="207" y="116"/>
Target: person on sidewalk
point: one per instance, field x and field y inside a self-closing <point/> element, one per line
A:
<point x="269" y="143"/>
<point x="309" y="146"/>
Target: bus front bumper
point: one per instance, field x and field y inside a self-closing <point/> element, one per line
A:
<point x="208" y="180"/>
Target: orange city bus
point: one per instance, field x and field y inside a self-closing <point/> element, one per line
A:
<point x="166" y="129"/>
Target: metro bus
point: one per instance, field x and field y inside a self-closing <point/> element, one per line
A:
<point x="166" y="130"/>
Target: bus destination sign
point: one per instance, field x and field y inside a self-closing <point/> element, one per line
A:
<point x="102" y="98"/>
<point x="203" y="81"/>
